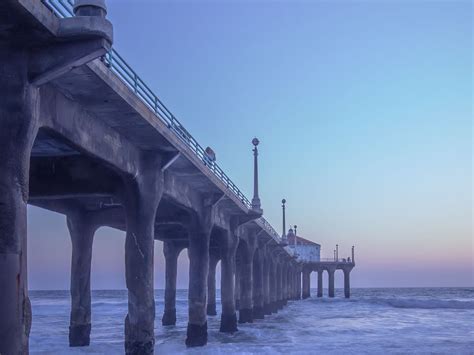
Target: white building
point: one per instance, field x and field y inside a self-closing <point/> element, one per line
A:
<point x="306" y="250"/>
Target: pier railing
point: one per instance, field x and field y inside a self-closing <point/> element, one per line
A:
<point x="113" y="60"/>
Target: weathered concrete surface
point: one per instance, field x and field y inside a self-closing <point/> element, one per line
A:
<point x="331" y="282"/>
<point x="211" y="286"/>
<point x="258" y="285"/>
<point x="306" y="283"/>
<point x="246" y="250"/>
<point x="171" y="252"/>
<point x="142" y="196"/>
<point x="267" y="310"/>
<point x="228" y="267"/>
<point x="199" y="237"/>
<point x="81" y="229"/>
<point x="18" y="127"/>
<point x="347" y="282"/>
<point x="320" y="283"/>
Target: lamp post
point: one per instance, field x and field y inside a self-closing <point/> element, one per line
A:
<point x="283" y="235"/>
<point x="353" y="261"/>
<point x="255" y="200"/>
<point x="295" y="226"/>
<point x="337" y="252"/>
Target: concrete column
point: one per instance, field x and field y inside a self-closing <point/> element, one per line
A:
<point x="331" y="282"/>
<point x="266" y="286"/>
<point x="279" y="279"/>
<point x="171" y="252"/>
<point x="246" y="288"/>
<point x="320" y="283"/>
<point x="284" y="283"/>
<point x="81" y="229"/>
<point x="298" y="284"/>
<point x="228" y="268"/>
<point x="19" y="104"/>
<point x="306" y="284"/>
<point x="258" y="285"/>
<point x="237" y="284"/>
<point x="211" y="286"/>
<point x="198" y="252"/>
<point x="142" y="195"/>
<point x="347" y="284"/>
<point x="273" y="285"/>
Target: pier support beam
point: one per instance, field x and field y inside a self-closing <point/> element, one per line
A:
<point x="306" y="283"/>
<point x="331" y="282"/>
<point x="142" y="194"/>
<point x="198" y="252"/>
<point x="228" y="267"/>
<point x="284" y="284"/>
<point x="82" y="230"/>
<point x="171" y="252"/>
<point x="267" y="310"/>
<point x="246" y="287"/>
<point x="237" y="283"/>
<point x="273" y="285"/>
<point x="258" y="285"/>
<point x="279" y="279"/>
<point x="320" y="283"/>
<point x="347" y="283"/>
<point x="18" y="127"/>
<point x="211" y="285"/>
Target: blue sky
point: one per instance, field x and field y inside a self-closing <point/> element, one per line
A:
<point x="363" y="110"/>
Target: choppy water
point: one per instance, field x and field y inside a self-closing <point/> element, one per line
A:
<point x="373" y="321"/>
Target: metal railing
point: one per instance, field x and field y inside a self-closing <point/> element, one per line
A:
<point x="334" y="260"/>
<point x="114" y="61"/>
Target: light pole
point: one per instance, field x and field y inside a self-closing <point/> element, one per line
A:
<point x="337" y="252"/>
<point x="295" y="234"/>
<point x="283" y="235"/>
<point x="255" y="200"/>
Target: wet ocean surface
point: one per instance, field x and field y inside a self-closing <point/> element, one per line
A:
<point x="373" y="321"/>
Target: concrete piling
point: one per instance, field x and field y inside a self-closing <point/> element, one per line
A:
<point x="142" y="195"/>
<point x="171" y="252"/>
<point x="347" y="285"/>
<point x="258" y="285"/>
<point x="228" y="267"/>
<point x="81" y="229"/>
<point x="320" y="283"/>
<point x="18" y="127"/>
<point x="211" y="285"/>
<point x="198" y="252"/>
<point x="331" y="283"/>
<point x="306" y="283"/>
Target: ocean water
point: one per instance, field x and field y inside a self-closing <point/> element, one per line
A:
<point x="373" y="321"/>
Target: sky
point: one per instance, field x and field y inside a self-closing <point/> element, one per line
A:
<point x="363" y="111"/>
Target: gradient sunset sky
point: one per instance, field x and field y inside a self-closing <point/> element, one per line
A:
<point x="363" y="111"/>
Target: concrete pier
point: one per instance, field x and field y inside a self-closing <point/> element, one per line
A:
<point x="81" y="229"/>
<point x="79" y="137"/>
<point x="171" y="252"/>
